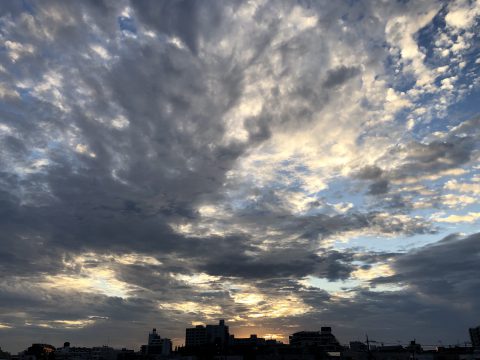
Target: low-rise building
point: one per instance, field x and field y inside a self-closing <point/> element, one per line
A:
<point x="323" y="340"/>
<point x="253" y="340"/>
<point x="68" y="352"/>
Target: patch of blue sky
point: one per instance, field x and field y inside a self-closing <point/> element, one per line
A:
<point x="25" y="93"/>
<point x="3" y="47"/>
<point x="345" y="190"/>
<point x="426" y="37"/>
<point x="127" y="25"/>
<point x="458" y="228"/>
<point x="382" y="243"/>
<point x="396" y="78"/>
<point x="463" y="109"/>
<point x="54" y="144"/>
<point x="424" y="129"/>
<point x="424" y="213"/>
<point x="36" y="154"/>
<point x="471" y="55"/>
<point x="3" y="32"/>
<point x="338" y="286"/>
<point x="28" y="7"/>
<point x="336" y="194"/>
<point x="292" y="167"/>
<point x="466" y="108"/>
<point x="290" y="182"/>
<point x="12" y="111"/>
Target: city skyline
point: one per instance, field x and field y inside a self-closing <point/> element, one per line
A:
<point x="157" y="340"/>
<point x="280" y="164"/>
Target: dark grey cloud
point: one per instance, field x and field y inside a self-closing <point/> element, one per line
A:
<point x="457" y="149"/>
<point x="293" y="262"/>
<point x="454" y="150"/>
<point x="378" y="187"/>
<point x="168" y="159"/>
<point x="371" y="172"/>
<point x="340" y="75"/>
<point x="439" y="287"/>
<point x="437" y="156"/>
<point x="433" y="287"/>
<point x="444" y="270"/>
<point x="268" y="211"/>
<point x="34" y="317"/>
<point x="188" y="20"/>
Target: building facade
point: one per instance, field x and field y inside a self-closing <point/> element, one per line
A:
<point x="157" y="345"/>
<point x="210" y="334"/>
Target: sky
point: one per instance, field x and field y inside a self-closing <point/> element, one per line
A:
<point x="283" y="165"/>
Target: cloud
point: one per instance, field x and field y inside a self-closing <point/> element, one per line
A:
<point x="379" y="187"/>
<point x="473" y="188"/>
<point x="461" y="14"/>
<point x="340" y="75"/>
<point x="369" y="172"/>
<point x="178" y="162"/>
<point x="469" y="217"/>
<point x="442" y="272"/>
<point x="437" y="156"/>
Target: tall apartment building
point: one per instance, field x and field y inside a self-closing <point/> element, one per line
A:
<point x="157" y="345"/>
<point x="475" y="336"/>
<point x="210" y="334"/>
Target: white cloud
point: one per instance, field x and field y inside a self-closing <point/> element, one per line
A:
<point x="462" y="14"/>
<point x="120" y="122"/>
<point x="17" y="50"/>
<point x="100" y="51"/>
<point x="468" y="218"/>
<point x="473" y="188"/>
<point x="83" y="149"/>
<point x="457" y="201"/>
<point x="7" y="92"/>
<point x="400" y="31"/>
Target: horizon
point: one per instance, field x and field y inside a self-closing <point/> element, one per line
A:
<point x="374" y="342"/>
<point x="276" y="163"/>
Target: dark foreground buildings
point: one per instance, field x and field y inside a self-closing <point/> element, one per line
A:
<point x="214" y="342"/>
<point x="323" y="340"/>
<point x="210" y="334"/>
<point x="157" y="345"/>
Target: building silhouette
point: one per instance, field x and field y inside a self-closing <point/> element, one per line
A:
<point x="203" y="335"/>
<point x="157" y="345"/>
<point x="323" y="340"/>
<point x="475" y="336"/>
<point x="68" y="352"/>
<point x="38" y="352"/>
<point x="214" y="342"/>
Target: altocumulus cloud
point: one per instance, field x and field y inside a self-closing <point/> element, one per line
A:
<point x="281" y="165"/>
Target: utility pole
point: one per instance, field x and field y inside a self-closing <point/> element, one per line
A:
<point x="369" y="353"/>
<point x="413" y="344"/>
